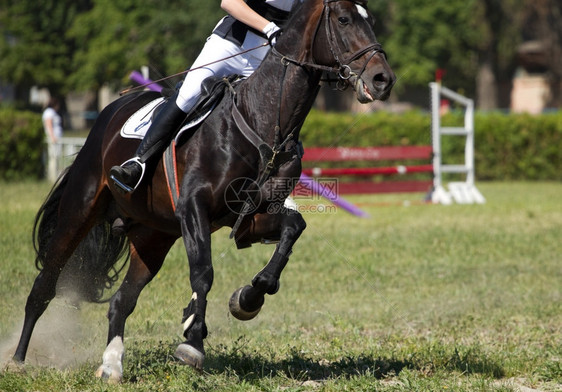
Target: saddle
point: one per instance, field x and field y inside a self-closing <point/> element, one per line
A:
<point x="213" y="89"/>
<point x="212" y="92"/>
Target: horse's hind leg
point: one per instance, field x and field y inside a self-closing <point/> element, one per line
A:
<point x="73" y="223"/>
<point x="148" y="251"/>
<point x="42" y="292"/>
<point x="44" y="288"/>
<point x="287" y="226"/>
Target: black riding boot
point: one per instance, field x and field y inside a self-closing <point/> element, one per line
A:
<point x="164" y="126"/>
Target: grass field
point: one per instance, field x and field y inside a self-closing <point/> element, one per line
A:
<point x="414" y="298"/>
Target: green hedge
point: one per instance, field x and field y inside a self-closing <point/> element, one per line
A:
<point x="518" y="147"/>
<point x="507" y="147"/>
<point x="21" y="145"/>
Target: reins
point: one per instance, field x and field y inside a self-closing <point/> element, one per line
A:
<point x="342" y="68"/>
<point x="128" y="90"/>
<point x="272" y="157"/>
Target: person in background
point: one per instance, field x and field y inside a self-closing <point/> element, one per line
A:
<point x="248" y="25"/>
<point x="52" y="121"/>
<point x="52" y="124"/>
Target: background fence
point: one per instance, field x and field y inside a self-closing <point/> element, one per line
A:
<point x="61" y="154"/>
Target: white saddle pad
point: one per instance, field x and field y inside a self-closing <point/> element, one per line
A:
<point x="137" y="125"/>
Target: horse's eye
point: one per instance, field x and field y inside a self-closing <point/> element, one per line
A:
<point x="343" y="20"/>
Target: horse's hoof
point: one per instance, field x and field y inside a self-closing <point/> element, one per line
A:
<point x="189" y="355"/>
<point x="237" y="311"/>
<point x="111" y="374"/>
<point x="14" y="366"/>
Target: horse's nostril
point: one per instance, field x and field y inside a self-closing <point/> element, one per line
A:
<point x="381" y="79"/>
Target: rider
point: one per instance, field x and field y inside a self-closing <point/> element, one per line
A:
<point x="247" y="25"/>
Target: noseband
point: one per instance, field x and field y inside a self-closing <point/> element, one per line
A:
<point x="342" y="68"/>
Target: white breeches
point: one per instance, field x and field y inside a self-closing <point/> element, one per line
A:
<point x="217" y="48"/>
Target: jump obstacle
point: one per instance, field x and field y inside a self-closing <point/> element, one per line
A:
<point x="138" y="77"/>
<point x="371" y="154"/>
<point x="464" y="192"/>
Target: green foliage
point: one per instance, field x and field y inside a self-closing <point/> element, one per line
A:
<point x="378" y="129"/>
<point x="121" y="36"/>
<point x="110" y="33"/>
<point x="455" y="35"/>
<point x="34" y="47"/>
<point x="425" y="36"/>
<point x="79" y="45"/>
<point x="83" y="44"/>
<point x="21" y="145"/>
<point x="507" y="147"/>
<point x="519" y="146"/>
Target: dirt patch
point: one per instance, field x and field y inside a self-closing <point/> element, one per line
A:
<point x="59" y="340"/>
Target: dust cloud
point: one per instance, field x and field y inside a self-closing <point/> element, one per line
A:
<point x="61" y="339"/>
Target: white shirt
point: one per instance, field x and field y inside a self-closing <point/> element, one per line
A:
<point x="56" y="121"/>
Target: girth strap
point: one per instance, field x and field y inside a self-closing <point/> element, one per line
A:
<point x="171" y="172"/>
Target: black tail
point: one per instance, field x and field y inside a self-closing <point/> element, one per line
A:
<point x="94" y="267"/>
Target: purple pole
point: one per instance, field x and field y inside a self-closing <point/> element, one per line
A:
<point x="137" y="77"/>
<point x="323" y="191"/>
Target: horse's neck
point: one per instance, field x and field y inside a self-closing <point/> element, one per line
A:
<point x="279" y="92"/>
<point x="275" y="95"/>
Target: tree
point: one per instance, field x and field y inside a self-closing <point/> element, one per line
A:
<point x="475" y="41"/>
<point x="69" y="45"/>
<point x="35" y="49"/>
<point x="81" y="45"/>
<point x="543" y="23"/>
<point x="499" y="34"/>
<point x="425" y="36"/>
<point x="122" y="35"/>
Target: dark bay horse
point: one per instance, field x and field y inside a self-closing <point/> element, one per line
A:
<point x="252" y="135"/>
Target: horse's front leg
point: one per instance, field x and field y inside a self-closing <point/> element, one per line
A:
<point x="286" y="225"/>
<point x="196" y="234"/>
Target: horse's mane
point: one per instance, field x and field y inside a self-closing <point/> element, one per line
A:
<point x="307" y="10"/>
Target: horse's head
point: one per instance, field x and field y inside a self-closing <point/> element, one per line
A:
<point x="344" y="39"/>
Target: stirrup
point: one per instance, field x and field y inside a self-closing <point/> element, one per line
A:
<point x="126" y="187"/>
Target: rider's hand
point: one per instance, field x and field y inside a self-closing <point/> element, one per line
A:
<point x="271" y="30"/>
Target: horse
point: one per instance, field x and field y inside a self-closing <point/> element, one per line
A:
<point x="246" y="150"/>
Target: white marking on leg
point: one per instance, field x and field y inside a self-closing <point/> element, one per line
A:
<point x="291" y="204"/>
<point x="188" y="322"/>
<point x="114" y="352"/>
<point x="112" y="367"/>
<point x="190" y="319"/>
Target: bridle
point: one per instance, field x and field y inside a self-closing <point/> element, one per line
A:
<point x="341" y="68"/>
<point x="272" y="157"/>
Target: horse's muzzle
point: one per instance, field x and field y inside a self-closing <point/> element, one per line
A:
<point x="383" y="83"/>
<point x="377" y="88"/>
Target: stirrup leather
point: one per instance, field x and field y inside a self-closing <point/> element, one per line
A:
<point x="126" y="187"/>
